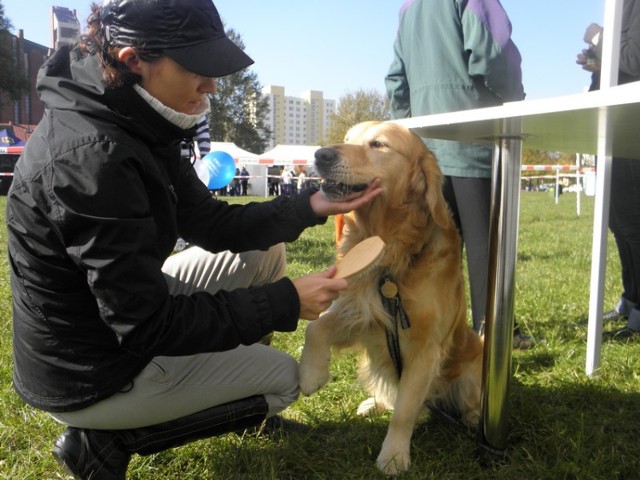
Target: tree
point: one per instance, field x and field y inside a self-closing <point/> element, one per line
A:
<point x="238" y="110"/>
<point x="540" y="157"/>
<point x="12" y="82"/>
<point x="353" y="108"/>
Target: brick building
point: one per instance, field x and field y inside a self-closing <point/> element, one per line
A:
<point x="22" y="115"/>
<point x="26" y="112"/>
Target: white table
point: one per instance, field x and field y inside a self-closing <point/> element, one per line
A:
<point x="602" y="122"/>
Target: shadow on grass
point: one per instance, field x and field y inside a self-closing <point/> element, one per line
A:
<point x="569" y="431"/>
<point x="575" y="429"/>
<point x="535" y="362"/>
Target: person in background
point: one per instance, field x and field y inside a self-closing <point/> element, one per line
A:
<point x="453" y="55"/>
<point x="202" y="138"/>
<point x="234" y="186"/>
<point x="301" y="180"/>
<point x="244" y="181"/>
<point x="624" y="214"/>
<point x="133" y="349"/>
<point x="286" y="181"/>
<point x="274" y="180"/>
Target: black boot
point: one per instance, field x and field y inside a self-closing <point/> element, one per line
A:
<point x="94" y="454"/>
<point x="104" y="454"/>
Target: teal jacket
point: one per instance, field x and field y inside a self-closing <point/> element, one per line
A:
<point x="453" y="55"/>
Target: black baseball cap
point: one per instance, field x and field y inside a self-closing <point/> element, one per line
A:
<point x="188" y="31"/>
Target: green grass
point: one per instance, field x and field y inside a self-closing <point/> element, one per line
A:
<point x="563" y="424"/>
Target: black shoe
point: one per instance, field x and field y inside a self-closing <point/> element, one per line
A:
<point x="624" y="334"/>
<point x="612" y="316"/>
<point x="91" y="454"/>
<point x="521" y="341"/>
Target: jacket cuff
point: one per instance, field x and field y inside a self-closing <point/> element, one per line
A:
<point x="284" y="303"/>
<point x="303" y="208"/>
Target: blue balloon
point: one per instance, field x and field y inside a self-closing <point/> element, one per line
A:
<point x="221" y="169"/>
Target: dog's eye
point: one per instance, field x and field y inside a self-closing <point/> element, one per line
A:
<point x="376" y="144"/>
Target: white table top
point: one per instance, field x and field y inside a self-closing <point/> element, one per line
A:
<point x="564" y="124"/>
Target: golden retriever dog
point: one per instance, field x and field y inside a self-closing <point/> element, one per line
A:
<point x="438" y="356"/>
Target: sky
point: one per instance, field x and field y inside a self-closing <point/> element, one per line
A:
<point x="342" y="46"/>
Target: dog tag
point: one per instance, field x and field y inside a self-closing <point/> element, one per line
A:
<point x="389" y="289"/>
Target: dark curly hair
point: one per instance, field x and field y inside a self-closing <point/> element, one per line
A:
<point x="114" y="72"/>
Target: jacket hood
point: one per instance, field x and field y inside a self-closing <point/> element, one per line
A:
<point x="69" y="81"/>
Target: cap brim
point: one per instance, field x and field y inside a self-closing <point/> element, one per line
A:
<point x="212" y="58"/>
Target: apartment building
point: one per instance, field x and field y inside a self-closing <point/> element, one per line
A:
<point x="297" y="120"/>
<point x="65" y="26"/>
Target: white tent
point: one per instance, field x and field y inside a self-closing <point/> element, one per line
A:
<point x="257" y="165"/>
<point x="241" y="156"/>
<point x="289" y="155"/>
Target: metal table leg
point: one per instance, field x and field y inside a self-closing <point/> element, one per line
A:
<point x="499" y="322"/>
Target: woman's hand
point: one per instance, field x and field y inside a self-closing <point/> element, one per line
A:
<point x="317" y="291"/>
<point x="323" y="207"/>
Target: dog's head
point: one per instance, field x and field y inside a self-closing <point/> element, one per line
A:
<point x="407" y="169"/>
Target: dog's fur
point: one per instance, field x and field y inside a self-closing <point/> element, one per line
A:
<point x="441" y="354"/>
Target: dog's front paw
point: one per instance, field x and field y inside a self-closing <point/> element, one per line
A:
<point x="394" y="457"/>
<point x="314" y="374"/>
<point x="393" y="463"/>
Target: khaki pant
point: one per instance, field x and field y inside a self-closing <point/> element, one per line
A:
<point x="173" y="387"/>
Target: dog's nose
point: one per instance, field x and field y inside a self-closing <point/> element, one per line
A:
<point x="326" y="156"/>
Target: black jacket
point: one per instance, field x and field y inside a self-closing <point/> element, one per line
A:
<point x="98" y="199"/>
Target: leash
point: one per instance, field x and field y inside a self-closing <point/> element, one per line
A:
<point x="392" y="303"/>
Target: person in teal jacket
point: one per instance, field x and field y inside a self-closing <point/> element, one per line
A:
<point x="457" y="55"/>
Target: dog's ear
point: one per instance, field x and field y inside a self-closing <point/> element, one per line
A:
<point x="435" y="200"/>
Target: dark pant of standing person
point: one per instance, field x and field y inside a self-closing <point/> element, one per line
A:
<point x="624" y="222"/>
<point x="469" y="200"/>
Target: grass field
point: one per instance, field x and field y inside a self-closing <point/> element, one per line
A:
<point x="563" y="424"/>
